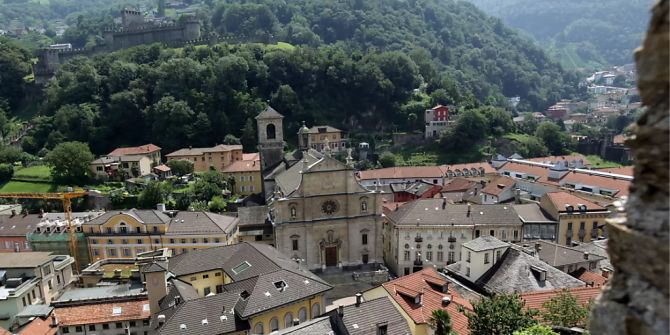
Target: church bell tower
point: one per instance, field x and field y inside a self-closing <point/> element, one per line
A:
<point x="270" y="137"/>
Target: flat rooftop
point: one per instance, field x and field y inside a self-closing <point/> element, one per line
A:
<point x="20" y="260"/>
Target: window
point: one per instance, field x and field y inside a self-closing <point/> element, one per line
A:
<point x="219" y="289"/>
<point x="217" y="240"/>
<point x="111" y="252"/>
<point x="109" y="230"/>
<point x="194" y="278"/>
<point x="288" y="320"/>
<point x="241" y="267"/>
<point x="429" y="255"/>
<point x="270" y="134"/>
<point x="365" y="258"/>
<point x="477" y="233"/>
<point x="183" y="241"/>
<point x="110" y="242"/>
<point x="468" y="259"/>
<point x="316" y="310"/>
<point x="126" y="252"/>
<point x="105" y="326"/>
<point x="119" y="325"/>
<point x="382" y="329"/>
<point x="157" y="241"/>
<point x="486" y="258"/>
<point x="294" y="243"/>
<point x="516" y="235"/>
<point x="498" y="255"/>
<point x="91" y="327"/>
<point x="96" y="252"/>
<point x="258" y="328"/>
<point x="274" y="324"/>
<point x="302" y="314"/>
<point x="133" y="324"/>
<point x="124" y="241"/>
<point x="569" y="225"/>
<point x="139" y="241"/>
<point x="172" y="240"/>
<point x="194" y="240"/>
<point x="23" y="300"/>
<point x="155" y="229"/>
<point x="207" y="291"/>
<point x="138" y="230"/>
<point x="205" y="240"/>
<point x="406" y="256"/>
<point x="440" y="256"/>
<point x="450" y="257"/>
<point x="65" y="330"/>
<point x="205" y="276"/>
<point x="364" y="239"/>
<point x="467" y="271"/>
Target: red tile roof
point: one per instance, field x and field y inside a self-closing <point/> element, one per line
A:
<point x="560" y="199"/>
<point x="4" y="331"/>
<point x="583" y="178"/>
<point x="592" y="277"/>
<point x="103" y="312"/>
<point x="542" y="173"/>
<point x="142" y="149"/>
<point x="554" y="159"/>
<point x="624" y="170"/>
<point x="391" y="206"/>
<point x="401" y="172"/>
<point x="619" y="139"/>
<point x="453" y="167"/>
<point x="535" y="300"/>
<point x="162" y="168"/>
<point x="498" y="185"/>
<point x="38" y="326"/>
<point x="458" y="184"/>
<point x="431" y="298"/>
<point x="243" y="166"/>
<point x="254" y="156"/>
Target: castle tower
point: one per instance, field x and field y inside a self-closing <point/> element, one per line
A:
<point x="270" y="137"/>
<point x="303" y="137"/>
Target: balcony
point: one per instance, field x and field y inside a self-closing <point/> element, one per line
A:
<point x="418" y="262"/>
<point x="418" y="239"/>
<point x="451" y="239"/>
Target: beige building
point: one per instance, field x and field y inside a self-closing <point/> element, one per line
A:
<point x="320" y="137"/>
<point x="430" y="232"/>
<point x="246" y="173"/>
<point x="204" y="159"/>
<point x="579" y="220"/>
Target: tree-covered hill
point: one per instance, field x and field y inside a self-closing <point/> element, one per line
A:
<point x="578" y="32"/>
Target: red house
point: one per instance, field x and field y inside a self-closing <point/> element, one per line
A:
<point x="403" y="192"/>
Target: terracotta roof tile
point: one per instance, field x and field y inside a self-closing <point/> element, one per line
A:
<point x="254" y="156"/>
<point x="498" y="185"/>
<point x="401" y="172"/>
<point x="458" y="184"/>
<point x="560" y="199"/>
<point x="103" y="312"/>
<point x="142" y="149"/>
<point x="624" y="170"/>
<point x="541" y="173"/>
<point x="619" y="185"/>
<point x="243" y="166"/>
<point x="38" y="326"/>
<point x="425" y="281"/>
<point x="535" y="300"/>
<point x="477" y="166"/>
<point x="553" y="159"/>
<point x="592" y="277"/>
<point x="162" y="168"/>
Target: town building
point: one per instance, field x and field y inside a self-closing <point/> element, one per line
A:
<point x="127" y="233"/>
<point x="566" y="259"/>
<point x="416" y="296"/>
<point x="373" y="316"/>
<point x="10" y="208"/>
<point x="34" y="320"/>
<point x="269" y="124"/>
<point x="438" y="175"/>
<point x="235" y="289"/>
<point x="105" y="318"/>
<point x="498" y="190"/>
<point x="430" y="232"/>
<point x="579" y="220"/>
<point x="537" y="225"/>
<point x="217" y="157"/>
<point x="437" y="121"/>
<point x="255" y="225"/>
<point x="31" y="278"/>
<point x="403" y="192"/>
<point x="246" y="174"/>
<point x="492" y="266"/>
<point x="13" y="230"/>
<point x="583" y="295"/>
<point x="320" y="137"/>
<point x="134" y="161"/>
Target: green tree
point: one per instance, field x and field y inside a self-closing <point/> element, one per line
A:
<point x="150" y="196"/>
<point x="387" y="159"/>
<point x="69" y="162"/>
<point x="76" y="123"/>
<point x="563" y="310"/>
<point x="249" y="140"/>
<point x="501" y="314"/>
<point x="205" y="191"/>
<point x="6" y="172"/>
<point x="499" y="120"/>
<point x="171" y="122"/>
<point x="14" y="66"/>
<point x="180" y="167"/>
<point x="536" y="330"/>
<point x="529" y="124"/>
<point x="230" y="139"/>
<point x="553" y="138"/>
<point x="440" y="321"/>
<point x="217" y="204"/>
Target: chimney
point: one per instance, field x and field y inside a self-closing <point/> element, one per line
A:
<point x="445" y="287"/>
<point x="446" y="300"/>
<point x="586" y="255"/>
<point x="161" y="207"/>
<point x="359" y="296"/>
<point x="340" y="310"/>
<point x="296" y="321"/>
<point x="54" y="321"/>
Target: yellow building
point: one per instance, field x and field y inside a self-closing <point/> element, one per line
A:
<point x="205" y="159"/>
<point x="579" y="220"/>
<point x="124" y="234"/>
<point x="233" y="289"/>
<point x="318" y="137"/>
<point x="246" y="174"/>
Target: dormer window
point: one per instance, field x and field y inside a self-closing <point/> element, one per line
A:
<point x="280" y="285"/>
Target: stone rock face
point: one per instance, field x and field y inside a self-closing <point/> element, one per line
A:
<point x="636" y="301"/>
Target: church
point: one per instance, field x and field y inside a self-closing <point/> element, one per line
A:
<point x="321" y="216"/>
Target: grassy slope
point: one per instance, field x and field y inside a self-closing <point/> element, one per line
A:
<point x="20" y="186"/>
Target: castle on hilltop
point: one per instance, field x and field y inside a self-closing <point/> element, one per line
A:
<point x="134" y="30"/>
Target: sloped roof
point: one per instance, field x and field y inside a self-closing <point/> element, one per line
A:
<point x="534" y="300"/>
<point x="401" y="172"/>
<point x="200" y="151"/>
<point x="321" y="325"/>
<point x="621" y="186"/>
<point x="469" y="166"/>
<point x="207" y="315"/>
<point x="289" y="180"/>
<point x="19" y="224"/>
<point x="624" y="170"/>
<point x="139" y="150"/>
<point x="417" y="188"/>
<point x="553" y="159"/>
<point x="437" y="211"/>
<point x="428" y="283"/>
<point x="560" y="199"/>
<point x="363" y="319"/>
<point x="38" y="326"/>
<point x="532" y="213"/>
<point x="243" y="166"/>
<point x="590" y="277"/>
<point x="201" y="223"/>
<point x="103" y="312"/>
<point x="559" y="255"/>
<point x="514" y="274"/>
<point x="458" y="184"/>
<point x="20" y="260"/>
<point x="269" y="113"/>
<point x="145" y="216"/>
<point x="541" y="173"/>
<point x="485" y="242"/>
<point x="162" y="168"/>
<point x="498" y="185"/>
<point x="323" y="130"/>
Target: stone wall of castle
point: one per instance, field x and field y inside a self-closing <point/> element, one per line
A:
<point x="635" y="301"/>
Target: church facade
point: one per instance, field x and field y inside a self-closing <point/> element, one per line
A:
<point x="322" y="216"/>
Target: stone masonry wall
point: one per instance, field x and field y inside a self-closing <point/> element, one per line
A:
<point x="635" y="302"/>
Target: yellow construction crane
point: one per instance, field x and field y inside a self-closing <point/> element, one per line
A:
<point x="66" y="198"/>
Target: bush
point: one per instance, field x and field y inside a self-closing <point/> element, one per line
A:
<point x="180" y="167"/>
<point x="387" y="159"/>
<point x="6" y="172"/>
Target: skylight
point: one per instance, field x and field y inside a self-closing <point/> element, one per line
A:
<point x="241" y="267"/>
<point x="116" y="311"/>
<point x="280" y="285"/>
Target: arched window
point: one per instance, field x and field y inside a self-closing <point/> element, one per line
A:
<point x="288" y="320"/>
<point x="439" y="246"/>
<point x="430" y="246"/>
<point x="270" y="132"/>
<point x="294" y="212"/>
<point x="258" y="329"/>
<point x="364" y="206"/>
<point x="274" y="324"/>
<point x="302" y="314"/>
<point x="316" y="310"/>
<point x="406" y="245"/>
